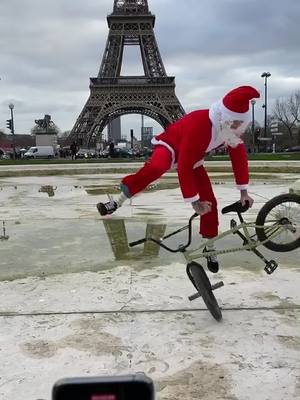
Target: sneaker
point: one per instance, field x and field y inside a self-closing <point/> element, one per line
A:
<point x="107" y="208"/>
<point x="212" y="261"/>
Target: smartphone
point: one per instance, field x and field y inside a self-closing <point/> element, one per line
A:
<point x="127" y="387"/>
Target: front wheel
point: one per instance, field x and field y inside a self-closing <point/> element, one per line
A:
<point x="203" y="286"/>
<point x="279" y="220"/>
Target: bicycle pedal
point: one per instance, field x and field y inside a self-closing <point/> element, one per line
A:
<point x="217" y="285"/>
<point x="213" y="287"/>
<point x="195" y="296"/>
<point x="270" y="267"/>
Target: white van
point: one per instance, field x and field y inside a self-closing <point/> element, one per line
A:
<point x="40" y="152"/>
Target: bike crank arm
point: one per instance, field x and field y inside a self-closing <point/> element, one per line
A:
<point x="270" y="265"/>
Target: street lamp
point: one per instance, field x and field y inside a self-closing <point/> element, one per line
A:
<point x="266" y="75"/>
<point x="11" y="107"/>
<point x="253" y="102"/>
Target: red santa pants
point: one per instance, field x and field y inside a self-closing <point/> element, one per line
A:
<point x="155" y="167"/>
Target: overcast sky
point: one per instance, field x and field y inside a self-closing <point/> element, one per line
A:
<point x="50" y="48"/>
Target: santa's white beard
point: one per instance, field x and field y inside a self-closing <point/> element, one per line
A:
<point x="222" y="119"/>
<point x="231" y="136"/>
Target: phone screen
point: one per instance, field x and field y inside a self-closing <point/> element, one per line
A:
<point x="130" y="387"/>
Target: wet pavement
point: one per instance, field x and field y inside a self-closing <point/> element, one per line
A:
<point x="77" y="300"/>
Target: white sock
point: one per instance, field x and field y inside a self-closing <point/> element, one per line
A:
<point x="121" y="199"/>
<point x="210" y="246"/>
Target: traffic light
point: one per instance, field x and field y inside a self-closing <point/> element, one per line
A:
<point x="257" y="135"/>
<point x="9" y="124"/>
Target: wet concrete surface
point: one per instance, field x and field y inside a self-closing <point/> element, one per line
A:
<point x="76" y="300"/>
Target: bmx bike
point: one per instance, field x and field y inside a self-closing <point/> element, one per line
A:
<point x="277" y="227"/>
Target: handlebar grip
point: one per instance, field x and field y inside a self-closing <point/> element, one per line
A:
<point x="132" y="244"/>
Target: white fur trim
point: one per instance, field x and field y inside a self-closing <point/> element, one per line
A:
<point x="192" y="199"/>
<point x="234" y="115"/>
<point x="198" y="164"/>
<point x="161" y="143"/>
<point x="242" y="187"/>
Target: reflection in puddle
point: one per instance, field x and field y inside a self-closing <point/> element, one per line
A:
<point x="165" y="183"/>
<point x="155" y="231"/>
<point x="4" y="236"/>
<point x="48" y="189"/>
<point x="117" y="235"/>
<point x="99" y="190"/>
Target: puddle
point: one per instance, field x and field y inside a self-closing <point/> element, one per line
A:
<point x="48" y="247"/>
<point x="100" y="190"/>
<point x="164" y="184"/>
<point x="54" y="246"/>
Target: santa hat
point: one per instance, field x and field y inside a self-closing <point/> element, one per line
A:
<point x="237" y="100"/>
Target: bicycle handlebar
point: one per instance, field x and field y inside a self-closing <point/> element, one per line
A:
<point x="132" y="244"/>
<point x="235" y="207"/>
<point x="181" y="248"/>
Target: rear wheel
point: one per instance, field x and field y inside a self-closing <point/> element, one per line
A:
<point x="279" y="220"/>
<point x="202" y="284"/>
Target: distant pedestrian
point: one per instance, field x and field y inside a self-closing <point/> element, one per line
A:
<point x="74" y="150"/>
<point x="111" y="149"/>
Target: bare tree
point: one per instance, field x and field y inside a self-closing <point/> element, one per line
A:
<point x="283" y="114"/>
<point x="287" y="113"/>
<point x="295" y="111"/>
<point x="295" y="105"/>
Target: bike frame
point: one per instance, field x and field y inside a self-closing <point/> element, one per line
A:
<point x="196" y="272"/>
<point x="249" y="243"/>
<point x="194" y="254"/>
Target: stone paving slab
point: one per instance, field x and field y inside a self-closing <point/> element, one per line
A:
<point x="73" y="303"/>
<point x="251" y="355"/>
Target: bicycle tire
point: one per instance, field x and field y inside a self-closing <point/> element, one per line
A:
<point x="203" y="286"/>
<point x="266" y="210"/>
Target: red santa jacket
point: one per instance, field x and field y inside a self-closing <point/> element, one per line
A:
<point x="188" y="140"/>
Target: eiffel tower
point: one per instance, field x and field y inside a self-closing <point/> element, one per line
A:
<point x="112" y="95"/>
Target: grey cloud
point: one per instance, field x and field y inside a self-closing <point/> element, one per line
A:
<point x="49" y="49"/>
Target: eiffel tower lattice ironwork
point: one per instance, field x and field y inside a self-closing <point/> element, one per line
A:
<point x="113" y="95"/>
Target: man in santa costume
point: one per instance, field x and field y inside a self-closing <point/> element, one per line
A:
<point x="184" y="145"/>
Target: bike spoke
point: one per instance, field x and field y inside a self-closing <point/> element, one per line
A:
<point x="285" y="237"/>
<point x="291" y="212"/>
<point x="270" y="230"/>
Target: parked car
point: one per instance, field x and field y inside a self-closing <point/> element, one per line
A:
<point x="103" y="153"/>
<point x="4" y="155"/>
<point x="119" y="152"/>
<point x="86" y="153"/>
<point x="294" y="149"/>
<point x="124" y="152"/>
<point x="40" y="152"/>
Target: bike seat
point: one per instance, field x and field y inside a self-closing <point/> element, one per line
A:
<point x="236" y="207"/>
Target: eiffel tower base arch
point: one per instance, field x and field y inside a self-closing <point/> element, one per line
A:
<point x="109" y="101"/>
<point x="112" y="95"/>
